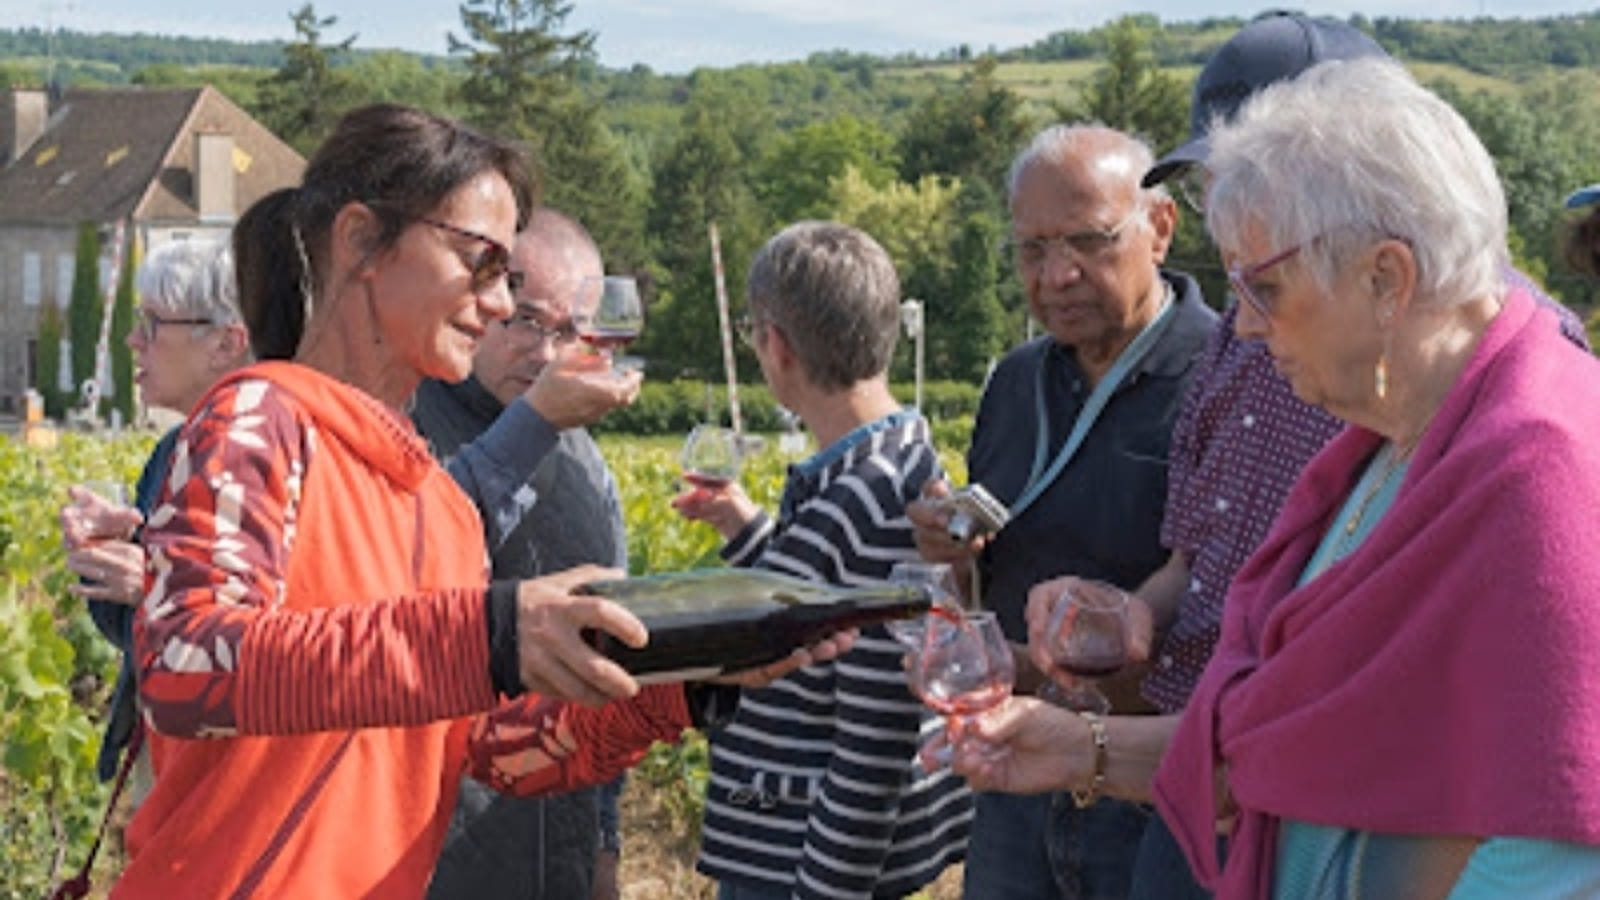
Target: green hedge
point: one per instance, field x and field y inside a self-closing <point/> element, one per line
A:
<point x="674" y="407"/>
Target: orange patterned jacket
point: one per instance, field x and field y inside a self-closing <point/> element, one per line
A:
<point x="314" y="657"/>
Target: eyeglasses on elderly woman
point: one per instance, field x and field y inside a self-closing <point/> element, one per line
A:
<point x="149" y="322"/>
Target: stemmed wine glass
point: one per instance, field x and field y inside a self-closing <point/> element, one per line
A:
<point x="1088" y="639"/>
<point x="939" y="581"/>
<point x="963" y="668"/>
<point x="609" y="315"/>
<point x="711" y="457"/>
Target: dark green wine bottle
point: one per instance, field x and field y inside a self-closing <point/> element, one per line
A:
<point x="709" y="622"/>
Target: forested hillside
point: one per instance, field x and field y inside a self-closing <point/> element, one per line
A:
<point x="911" y="148"/>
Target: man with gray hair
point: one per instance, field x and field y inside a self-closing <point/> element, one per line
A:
<point x="1072" y="436"/>
<point x="812" y="790"/>
<point x="514" y="435"/>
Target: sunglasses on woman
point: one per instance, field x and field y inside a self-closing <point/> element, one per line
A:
<point x="490" y="265"/>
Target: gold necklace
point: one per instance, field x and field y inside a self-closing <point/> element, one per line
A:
<point x="1391" y="465"/>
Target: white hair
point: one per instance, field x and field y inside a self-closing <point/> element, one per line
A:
<point x="1058" y="143"/>
<point x="1355" y="150"/>
<point x="191" y="278"/>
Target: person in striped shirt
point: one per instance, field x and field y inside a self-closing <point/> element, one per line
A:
<point x="812" y="791"/>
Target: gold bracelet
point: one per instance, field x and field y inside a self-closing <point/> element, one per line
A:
<point x="1084" y="798"/>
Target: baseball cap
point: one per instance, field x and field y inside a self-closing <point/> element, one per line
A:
<point x="1274" y="47"/>
<point x="1584" y="196"/>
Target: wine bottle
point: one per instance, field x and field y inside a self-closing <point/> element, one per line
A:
<point x="708" y="622"/>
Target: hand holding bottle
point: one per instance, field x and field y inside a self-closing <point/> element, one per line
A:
<point x="555" y="659"/>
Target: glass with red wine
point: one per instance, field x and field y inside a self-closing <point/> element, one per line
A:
<point x="939" y="581"/>
<point x="1087" y="639"/>
<point x="608" y="315"/>
<point x="963" y="668"/>
<point x="711" y="457"/>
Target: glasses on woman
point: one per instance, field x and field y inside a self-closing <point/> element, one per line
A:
<point x="149" y="322"/>
<point x="1243" y="279"/>
<point x="490" y="265"/>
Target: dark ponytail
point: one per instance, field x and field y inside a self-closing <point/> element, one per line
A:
<point x="399" y="161"/>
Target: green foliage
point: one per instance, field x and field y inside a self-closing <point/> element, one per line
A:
<point x="54" y="668"/>
<point x="48" y="363"/>
<point x="674" y="407"/>
<point x="519" y="67"/>
<point x="85" y="311"/>
<point x="306" y="94"/>
<point x="121" y="325"/>
<point x="970" y="129"/>
<point x="793" y="179"/>
<point x="1131" y="92"/>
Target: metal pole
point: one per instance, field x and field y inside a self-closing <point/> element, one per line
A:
<point x="911" y="319"/>
<point x="727" y="331"/>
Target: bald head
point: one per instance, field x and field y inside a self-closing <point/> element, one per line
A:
<point x="555" y="254"/>
<point x="1087" y="154"/>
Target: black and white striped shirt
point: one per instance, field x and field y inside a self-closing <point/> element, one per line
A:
<point x="812" y="788"/>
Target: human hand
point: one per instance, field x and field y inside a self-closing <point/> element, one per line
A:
<point x="1025" y="746"/>
<point x="930" y="521"/>
<point x="555" y="660"/>
<point x="88" y="517"/>
<point x="114" y="569"/>
<point x="578" y="388"/>
<point x="1042" y="600"/>
<point x="829" y="648"/>
<point x="728" y="509"/>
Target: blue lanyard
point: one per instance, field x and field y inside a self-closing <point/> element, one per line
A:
<point x="1040" y="478"/>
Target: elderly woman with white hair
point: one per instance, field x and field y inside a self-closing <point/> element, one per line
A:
<point x="1402" y="700"/>
<point x="187" y="334"/>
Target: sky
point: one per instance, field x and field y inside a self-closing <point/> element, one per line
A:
<point x="679" y="35"/>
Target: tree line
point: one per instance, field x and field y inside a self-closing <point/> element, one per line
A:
<point x="912" y="150"/>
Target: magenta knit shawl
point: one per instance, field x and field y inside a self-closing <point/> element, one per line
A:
<point x="1444" y="678"/>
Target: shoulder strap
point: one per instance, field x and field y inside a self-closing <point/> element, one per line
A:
<point x="77" y="887"/>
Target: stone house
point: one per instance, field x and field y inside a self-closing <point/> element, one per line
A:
<point x="167" y="164"/>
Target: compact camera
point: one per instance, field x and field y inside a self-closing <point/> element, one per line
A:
<point x="974" y="512"/>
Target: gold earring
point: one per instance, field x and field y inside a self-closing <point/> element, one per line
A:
<point x="1380" y="377"/>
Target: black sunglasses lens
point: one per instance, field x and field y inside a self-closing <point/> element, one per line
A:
<point x="493" y="263"/>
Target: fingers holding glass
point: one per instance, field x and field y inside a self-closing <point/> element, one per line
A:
<point x="1086" y="640"/>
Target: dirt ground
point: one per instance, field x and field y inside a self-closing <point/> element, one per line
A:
<point x="658" y="855"/>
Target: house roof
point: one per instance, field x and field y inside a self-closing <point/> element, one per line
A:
<point x="114" y="153"/>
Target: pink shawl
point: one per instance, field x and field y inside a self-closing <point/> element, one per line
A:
<point x="1445" y="677"/>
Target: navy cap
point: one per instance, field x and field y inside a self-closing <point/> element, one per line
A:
<point x="1274" y="47"/>
<point x="1585" y="196"/>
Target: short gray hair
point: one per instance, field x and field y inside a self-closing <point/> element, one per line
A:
<point x="1060" y="142"/>
<point x="833" y="292"/>
<point x="192" y="278"/>
<point x="1355" y="150"/>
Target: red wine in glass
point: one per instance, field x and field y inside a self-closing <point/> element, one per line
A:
<point x="608" y="340"/>
<point x="1088" y="639"/>
<point x="707" y="482"/>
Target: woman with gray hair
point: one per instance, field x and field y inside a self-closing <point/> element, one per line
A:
<point x="187" y="334"/>
<point x="1401" y="704"/>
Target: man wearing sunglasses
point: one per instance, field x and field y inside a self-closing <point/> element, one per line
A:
<point x="515" y="430"/>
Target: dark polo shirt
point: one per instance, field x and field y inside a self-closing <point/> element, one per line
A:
<point x="1101" y="518"/>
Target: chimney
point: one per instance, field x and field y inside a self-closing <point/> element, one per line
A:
<point x="214" y="177"/>
<point x="23" y="115"/>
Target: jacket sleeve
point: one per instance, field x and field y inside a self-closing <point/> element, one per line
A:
<point x="495" y="467"/>
<point x="535" y="745"/>
<point x="218" y="652"/>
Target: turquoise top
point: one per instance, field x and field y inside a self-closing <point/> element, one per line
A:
<point x="1325" y="862"/>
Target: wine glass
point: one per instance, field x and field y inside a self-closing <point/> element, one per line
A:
<point x="711" y="457"/>
<point x="1088" y="639"/>
<point x="963" y="668"/>
<point x="939" y="581"/>
<point x="608" y="316"/>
